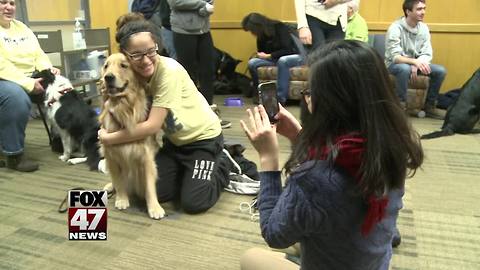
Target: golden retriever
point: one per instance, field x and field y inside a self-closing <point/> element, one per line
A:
<point x="131" y="165"/>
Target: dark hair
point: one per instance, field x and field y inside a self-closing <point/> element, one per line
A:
<point x="130" y="24"/>
<point x="351" y="92"/>
<point x="259" y="24"/>
<point x="408" y="5"/>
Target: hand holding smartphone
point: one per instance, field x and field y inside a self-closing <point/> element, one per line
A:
<point x="267" y="93"/>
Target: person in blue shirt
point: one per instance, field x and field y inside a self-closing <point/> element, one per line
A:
<point x="347" y="170"/>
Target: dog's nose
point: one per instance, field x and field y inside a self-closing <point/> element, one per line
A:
<point x="109" y="77"/>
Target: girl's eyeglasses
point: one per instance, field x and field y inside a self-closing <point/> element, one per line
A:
<point x="305" y="92"/>
<point x="148" y="53"/>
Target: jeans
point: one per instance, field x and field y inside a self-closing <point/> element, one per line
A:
<point x="167" y="38"/>
<point x="14" y="113"/>
<point x="283" y="64"/>
<point x="402" y="74"/>
<point x="323" y="32"/>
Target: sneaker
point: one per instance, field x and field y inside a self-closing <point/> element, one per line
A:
<point x="215" y="109"/>
<point x="223" y="123"/>
<point x="234" y="167"/>
<point x="21" y="164"/>
<point x="432" y="112"/>
<point x="240" y="183"/>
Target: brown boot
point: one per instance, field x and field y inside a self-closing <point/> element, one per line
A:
<point x="21" y="164"/>
<point x="431" y="111"/>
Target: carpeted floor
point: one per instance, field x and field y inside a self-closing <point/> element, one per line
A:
<point x="440" y="223"/>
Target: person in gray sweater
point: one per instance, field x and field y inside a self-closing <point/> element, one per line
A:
<point x="408" y="52"/>
<point x="190" y="23"/>
<point x="346" y="174"/>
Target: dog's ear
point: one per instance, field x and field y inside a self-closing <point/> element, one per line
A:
<point x="47" y="75"/>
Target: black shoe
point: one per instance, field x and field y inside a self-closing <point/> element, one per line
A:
<point x="397" y="239"/>
<point x="21" y="164"/>
<point x="225" y="124"/>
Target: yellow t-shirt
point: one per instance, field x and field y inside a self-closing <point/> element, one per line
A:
<point x="20" y="55"/>
<point x="189" y="118"/>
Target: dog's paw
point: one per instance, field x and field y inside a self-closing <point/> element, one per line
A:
<point x="108" y="187"/>
<point x="102" y="166"/>
<point x="64" y="158"/>
<point x="156" y="211"/>
<point x="74" y="161"/>
<point x="122" y="204"/>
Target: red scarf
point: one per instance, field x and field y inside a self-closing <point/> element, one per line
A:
<point x="350" y="151"/>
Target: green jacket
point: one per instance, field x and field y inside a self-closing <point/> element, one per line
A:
<point x="357" y="28"/>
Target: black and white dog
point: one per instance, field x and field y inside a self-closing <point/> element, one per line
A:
<point x="463" y="115"/>
<point x="72" y="118"/>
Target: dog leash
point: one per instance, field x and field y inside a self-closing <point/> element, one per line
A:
<point x="62" y="208"/>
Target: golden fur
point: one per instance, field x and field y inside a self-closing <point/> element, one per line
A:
<point x="131" y="165"/>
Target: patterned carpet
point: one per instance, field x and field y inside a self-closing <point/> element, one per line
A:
<point x="440" y="223"/>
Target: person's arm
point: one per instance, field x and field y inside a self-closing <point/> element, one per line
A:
<point x="285" y="217"/>
<point x="426" y="51"/>
<point x="8" y="71"/>
<point x="304" y="33"/>
<point x="300" y="13"/>
<point x="260" y="45"/>
<point x="332" y="3"/>
<point x="142" y="130"/>
<point x="186" y="5"/>
<point x="393" y="47"/>
<point x="287" y="125"/>
<point x="286" y="43"/>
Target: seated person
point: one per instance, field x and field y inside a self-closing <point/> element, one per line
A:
<point x="275" y="46"/>
<point x="344" y="185"/>
<point x="357" y="28"/>
<point x="20" y="56"/>
<point x="409" y="52"/>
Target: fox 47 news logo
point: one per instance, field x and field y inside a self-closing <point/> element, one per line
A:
<point x="87" y="215"/>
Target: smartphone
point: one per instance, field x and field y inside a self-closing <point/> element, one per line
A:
<point x="267" y="93"/>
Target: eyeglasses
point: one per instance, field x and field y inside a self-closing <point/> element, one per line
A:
<point x="139" y="56"/>
<point x="305" y="92"/>
<point x="4" y="2"/>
